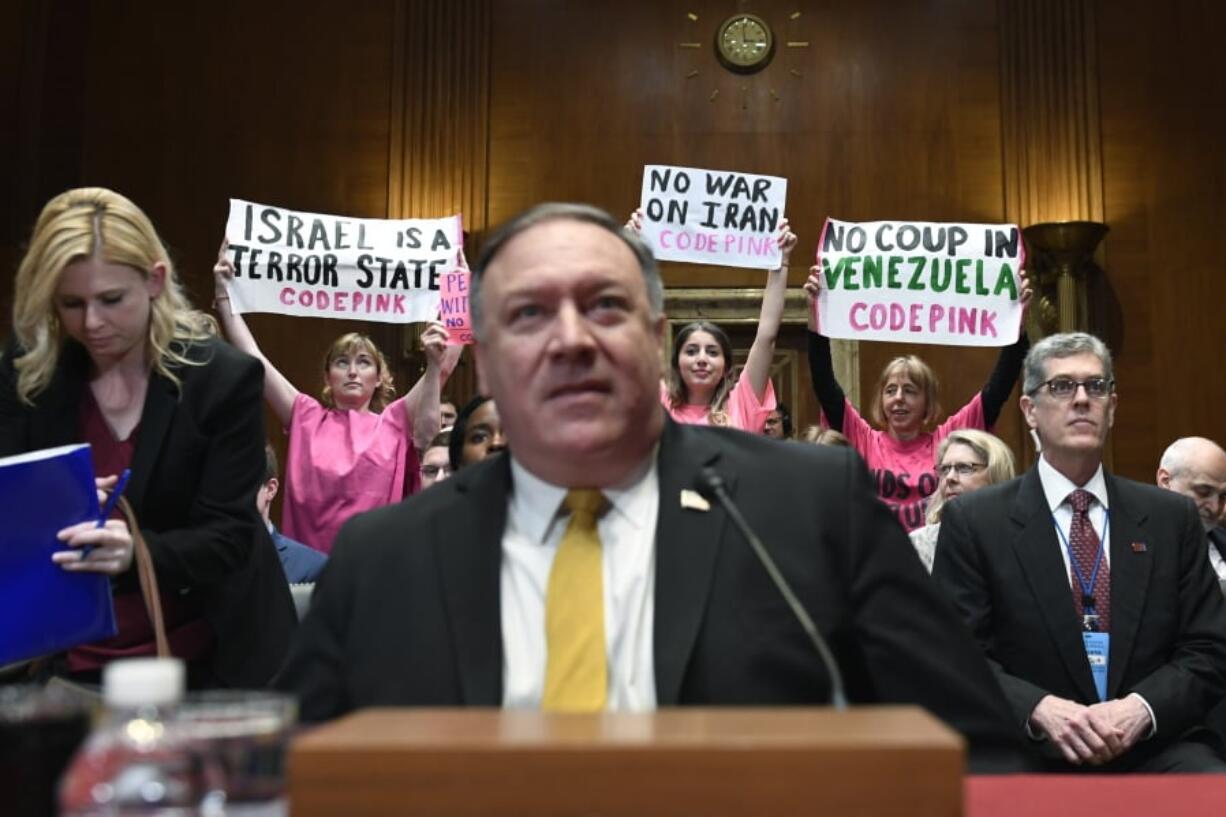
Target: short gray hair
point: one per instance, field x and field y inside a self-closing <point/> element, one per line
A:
<point x="556" y="211"/>
<point x="1065" y="344"/>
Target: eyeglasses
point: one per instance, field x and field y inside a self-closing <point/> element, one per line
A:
<point x="1065" y="387"/>
<point x="962" y="469"/>
<point x="433" y="471"/>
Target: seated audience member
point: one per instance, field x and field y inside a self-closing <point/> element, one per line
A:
<point x="436" y="460"/>
<point x="356" y="446"/>
<point x="825" y="436"/>
<point x="778" y="423"/>
<point x="1090" y="594"/>
<point x="1196" y="468"/>
<point x="967" y="460"/>
<point x="107" y="350"/>
<point x="700" y="387"/>
<point x="477" y="433"/>
<point x="301" y="563"/>
<point x="446" y="414"/>
<point x="900" y="454"/>
<point x="595" y="507"/>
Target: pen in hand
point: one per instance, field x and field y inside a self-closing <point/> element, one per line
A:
<point x="109" y="507"/>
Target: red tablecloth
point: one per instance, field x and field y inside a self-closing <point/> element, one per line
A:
<point x="1181" y="795"/>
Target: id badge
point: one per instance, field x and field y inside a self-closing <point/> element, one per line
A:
<point x="1098" y="651"/>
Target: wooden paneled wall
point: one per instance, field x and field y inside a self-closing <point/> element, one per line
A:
<point x="1163" y="93"/>
<point x="879" y="109"/>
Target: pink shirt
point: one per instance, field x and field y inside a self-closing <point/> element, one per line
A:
<point x="904" y="469"/>
<point x="744" y="409"/>
<point x="342" y="463"/>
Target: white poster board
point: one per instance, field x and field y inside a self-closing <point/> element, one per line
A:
<point x="294" y="263"/>
<point x="712" y="216"/>
<point x="921" y="282"/>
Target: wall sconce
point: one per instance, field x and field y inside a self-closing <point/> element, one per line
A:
<point x="1062" y="255"/>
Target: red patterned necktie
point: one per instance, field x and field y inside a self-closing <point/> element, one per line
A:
<point x="1084" y="543"/>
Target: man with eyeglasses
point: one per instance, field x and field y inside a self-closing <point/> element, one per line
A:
<point x="1090" y="594"/>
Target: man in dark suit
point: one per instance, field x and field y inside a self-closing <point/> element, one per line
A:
<point x="301" y="563"/>
<point x="450" y="598"/>
<point x="1110" y="655"/>
<point x="1196" y="468"/>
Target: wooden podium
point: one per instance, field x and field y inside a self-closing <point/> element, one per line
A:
<point x="711" y="762"/>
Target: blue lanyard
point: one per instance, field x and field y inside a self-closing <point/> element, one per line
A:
<point x="1087" y="591"/>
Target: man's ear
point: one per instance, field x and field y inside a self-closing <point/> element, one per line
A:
<point x="1163" y="478"/>
<point x="1026" y="403"/>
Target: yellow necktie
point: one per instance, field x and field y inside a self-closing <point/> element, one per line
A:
<point x="576" y="672"/>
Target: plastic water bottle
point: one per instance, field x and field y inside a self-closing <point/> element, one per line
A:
<point x="137" y="762"/>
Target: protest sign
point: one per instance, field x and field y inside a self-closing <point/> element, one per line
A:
<point x="712" y="216"/>
<point x="921" y="282"/>
<point x="453" y="307"/>
<point x="294" y="263"/>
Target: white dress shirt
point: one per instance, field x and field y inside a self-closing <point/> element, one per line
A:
<point x="1216" y="562"/>
<point x="536" y="521"/>
<point x="1056" y="488"/>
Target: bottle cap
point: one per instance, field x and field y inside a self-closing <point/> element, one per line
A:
<point x="143" y="682"/>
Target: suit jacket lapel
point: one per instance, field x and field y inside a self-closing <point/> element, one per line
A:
<point x="687" y="545"/>
<point x="468" y="541"/>
<point x="1037" y="546"/>
<point x="1130" y="571"/>
<point x="161" y="403"/>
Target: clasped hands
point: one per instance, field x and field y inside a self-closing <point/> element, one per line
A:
<point x="1094" y="734"/>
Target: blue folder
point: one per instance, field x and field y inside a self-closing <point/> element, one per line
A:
<point x="43" y="608"/>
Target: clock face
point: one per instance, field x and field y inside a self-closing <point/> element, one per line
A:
<point x="744" y="43"/>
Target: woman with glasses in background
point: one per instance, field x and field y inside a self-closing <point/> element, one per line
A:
<point x="967" y="460"/>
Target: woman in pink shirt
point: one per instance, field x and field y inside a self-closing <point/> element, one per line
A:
<point x="901" y="454"/>
<point x="355" y="448"/>
<point x="700" y="388"/>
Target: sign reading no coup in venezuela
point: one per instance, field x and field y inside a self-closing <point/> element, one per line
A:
<point x="712" y="216"/>
<point x="920" y="282"/>
<point x="293" y="263"/>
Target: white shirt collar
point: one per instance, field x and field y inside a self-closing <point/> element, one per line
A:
<point x="537" y="503"/>
<point x="1057" y="487"/>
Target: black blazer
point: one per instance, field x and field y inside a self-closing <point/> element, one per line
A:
<point x="407" y="611"/>
<point x="998" y="557"/>
<point x="196" y="467"/>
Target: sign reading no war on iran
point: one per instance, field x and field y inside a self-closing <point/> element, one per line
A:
<point x="712" y="216"/>
<point x="921" y="282"/>
<point x="294" y="263"/>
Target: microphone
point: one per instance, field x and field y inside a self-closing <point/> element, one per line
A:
<point x="712" y="484"/>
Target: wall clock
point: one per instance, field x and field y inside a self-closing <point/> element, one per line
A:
<point x="744" y="43"/>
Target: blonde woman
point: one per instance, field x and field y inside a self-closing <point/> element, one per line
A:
<point x="108" y="351"/>
<point x="966" y="461"/>
<point x="355" y="447"/>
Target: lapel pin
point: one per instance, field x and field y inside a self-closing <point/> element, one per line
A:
<point x="694" y="501"/>
<point x="1138" y="547"/>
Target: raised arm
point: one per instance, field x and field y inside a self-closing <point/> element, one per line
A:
<point x="1008" y="365"/>
<point x="278" y="391"/>
<point x="821" y="365"/>
<point x="421" y="403"/>
<point x="758" y="364"/>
